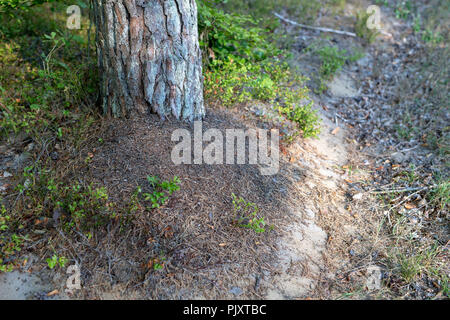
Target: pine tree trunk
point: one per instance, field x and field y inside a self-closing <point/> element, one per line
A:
<point x="149" y="57"/>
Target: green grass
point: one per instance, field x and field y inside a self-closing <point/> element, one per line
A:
<point x="428" y="23"/>
<point x="425" y="261"/>
<point x="304" y="11"/>
<point x="413" y="255"/>
<point x="440" y="196"/>
<point x="332" y="60"/>
<point x="361" y="29"/>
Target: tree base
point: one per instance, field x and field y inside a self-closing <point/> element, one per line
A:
<point x="149" y="58"/>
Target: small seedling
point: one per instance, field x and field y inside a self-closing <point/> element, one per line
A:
<point x="158" y="263"/>
<point x="56" y="261"/>
<point x="246" y="215"/>
<point x="161" y="190"/>
<point x="361" y="29"/>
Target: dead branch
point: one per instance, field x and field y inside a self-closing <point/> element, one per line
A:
<point x="405" y="190"/>
<point x="346" y="33"/>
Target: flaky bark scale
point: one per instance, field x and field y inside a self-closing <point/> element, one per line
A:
<point x="149" y="57"/>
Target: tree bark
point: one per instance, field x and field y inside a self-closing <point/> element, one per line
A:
<point x="149" y="57"/>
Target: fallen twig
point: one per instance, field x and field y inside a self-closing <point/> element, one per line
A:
<point x="404" y="190"/>
<point x="346" y="33"/>
<point x="404" y="200"/>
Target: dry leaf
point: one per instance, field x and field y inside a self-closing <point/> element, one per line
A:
<point x="211" y="54"/>
<point x="168" y="232"/>
<point x="410" y="206"/>
<point x="52" y="293"/>
<point x="335" y="131"/>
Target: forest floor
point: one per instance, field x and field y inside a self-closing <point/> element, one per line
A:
<point x="360" y="212"/>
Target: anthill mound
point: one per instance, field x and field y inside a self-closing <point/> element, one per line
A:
<point x="205" y="255"/>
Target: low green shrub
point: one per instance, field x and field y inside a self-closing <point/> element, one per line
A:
<point x="242" y="65"/>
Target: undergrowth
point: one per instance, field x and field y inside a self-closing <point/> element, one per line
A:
<point x="48" y="86"/>
<point x="361" y="29"/>
<point x="246" y="215"/>
<point x="242" y="65"/>
<point x="333" y="60"/>
<point x="426" y="24"/>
